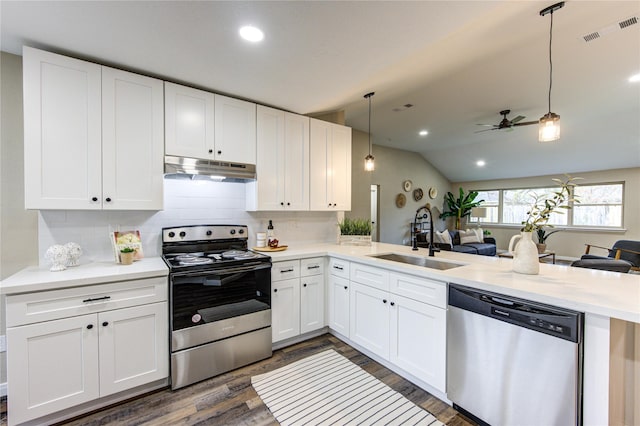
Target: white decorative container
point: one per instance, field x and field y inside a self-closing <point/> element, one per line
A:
<point x="525" y="254"/>
<point x="74" y="251"/>
<point x="57" y="256"/>
<point x="354" y="240"/>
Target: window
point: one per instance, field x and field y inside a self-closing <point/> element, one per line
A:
<point x="599" y="205"/>
<point x="491" y="203"/>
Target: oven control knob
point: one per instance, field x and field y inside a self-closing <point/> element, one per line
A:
<point x="196" y="318"/>
<point x="240" y="231"/>
<point x="182" y="234"/>
<point x="233" y="231"/>
<point x="209" y="232"/>
<point x="171" y="234"/>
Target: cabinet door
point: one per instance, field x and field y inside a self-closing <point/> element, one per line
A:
<point x="132" y="141"/>
<point x="418" y="340"/>
<point x="312" y="303"/>
<point x="62" y="132"/>
<point x="339" y="304"/>
<point x="133" y="347"/>
<point x="296" y="162"/>
<point x="189" y="122"/>
<point x="285" y="309"/>
<point x="340" y="176"/>
<point x="330" y="170"/>
<point x="268" y="190"/>
<point x="235" y="130"/>
<point x="52" y="366"/>
<point x="320" y="146"/>
<point x="369" y="318"/>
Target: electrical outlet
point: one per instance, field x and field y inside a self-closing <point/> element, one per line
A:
<point x="3" y="343"/>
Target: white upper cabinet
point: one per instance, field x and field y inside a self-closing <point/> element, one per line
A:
<point x="330" y="167"/>
<point x="189" y="116"/>
<point x="132" y="141"/>
<point x="62" y="132"/>
<point x="283" y="162"/>
<point x="235" y="130"/>
<point x="94" y="136"/>
<point x="201" y="124"/>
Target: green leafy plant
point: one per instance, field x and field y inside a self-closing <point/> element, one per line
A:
<point x="486" y="232"/>
<point x="127" y="250"/>
<point x="542" y="208"/>
<point x="543" y="234"/>
<point x="460" y="207"/>
<point x="356" y="226"/>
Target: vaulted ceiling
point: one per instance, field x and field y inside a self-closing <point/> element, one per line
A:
<point x="458" y="63"/>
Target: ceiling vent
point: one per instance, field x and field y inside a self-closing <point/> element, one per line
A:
<point x="620" y="25"/>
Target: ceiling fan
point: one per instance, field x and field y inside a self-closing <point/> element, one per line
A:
<point x="505" y="123"/>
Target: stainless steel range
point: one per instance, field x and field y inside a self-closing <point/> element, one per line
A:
<point x="220" y="301"/>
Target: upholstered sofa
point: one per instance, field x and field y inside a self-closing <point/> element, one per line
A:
<point x="461" y="242"/>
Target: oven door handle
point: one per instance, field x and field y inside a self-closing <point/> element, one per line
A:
<point x="255" y="266"/>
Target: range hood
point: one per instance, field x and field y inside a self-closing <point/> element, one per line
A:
<point x="183" y="167"/>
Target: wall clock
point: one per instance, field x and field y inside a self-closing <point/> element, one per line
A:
<point x="433" y="192"/>
<point x="407" y="185"/>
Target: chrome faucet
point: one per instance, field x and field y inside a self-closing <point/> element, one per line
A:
<point x="427" y="209"/>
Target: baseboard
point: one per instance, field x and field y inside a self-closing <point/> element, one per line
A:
<point x="3" y="389"/>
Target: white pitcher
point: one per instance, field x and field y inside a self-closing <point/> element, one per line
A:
<point x="525" y="254"/>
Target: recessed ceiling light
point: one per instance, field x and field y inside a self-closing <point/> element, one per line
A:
<point x="480" y="163"/>
<point x="423" y="133"/>
<point x="634" y="78"/>
<point x="251" y="34"/>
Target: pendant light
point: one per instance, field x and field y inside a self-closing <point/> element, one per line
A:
<point x="549" y="127"/>
<point x="369" y="165"/>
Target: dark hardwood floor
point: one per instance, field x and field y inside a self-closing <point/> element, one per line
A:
<point x="229" y="399"/>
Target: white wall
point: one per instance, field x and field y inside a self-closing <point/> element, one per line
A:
<point x="571" y="243"/>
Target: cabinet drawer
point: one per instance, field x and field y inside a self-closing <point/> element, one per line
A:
<point x="418" y="288"/>
<point x="30" y="308"/>
<point x="339" y="268"/>
<point x="312" y="266"/>
<point x="285" y="270"/>
<point x="371" y="276"/>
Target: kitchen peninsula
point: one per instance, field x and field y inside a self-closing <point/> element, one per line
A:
<point x="607" y="299"/>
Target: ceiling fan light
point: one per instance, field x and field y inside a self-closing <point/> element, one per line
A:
<point x="549" y="127"/>
<point x="369" y="164"/>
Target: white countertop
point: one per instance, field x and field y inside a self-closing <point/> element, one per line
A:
<point x="37" y="278"/>
<point x="592" y="291"/>
<point x="587" y="290"/>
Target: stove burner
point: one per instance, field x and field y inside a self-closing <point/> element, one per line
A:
<point x="188" y="256"/>
<point x="235" y="254"/>
<point x="193" y="260"/>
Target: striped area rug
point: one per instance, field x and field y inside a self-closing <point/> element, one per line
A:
<point x="328" y="389"/>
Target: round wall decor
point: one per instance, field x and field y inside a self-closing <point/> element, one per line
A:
<point x="401" y="200"/>
<point x="407" y="185"/>
<point x="418" y="194"/>
<point x="433" y="192"/>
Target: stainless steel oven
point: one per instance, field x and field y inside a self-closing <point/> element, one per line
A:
<point x="219" y="300"/>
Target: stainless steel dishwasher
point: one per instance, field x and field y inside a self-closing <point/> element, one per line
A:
<point x="512" y="361"/>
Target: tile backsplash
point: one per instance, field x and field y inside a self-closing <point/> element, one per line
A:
<point x="186" y="202"/>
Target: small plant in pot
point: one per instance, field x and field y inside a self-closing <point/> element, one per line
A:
<point x="126" y="255"/>
<point x="542" y="235"/>
<point x="355" y="231"/>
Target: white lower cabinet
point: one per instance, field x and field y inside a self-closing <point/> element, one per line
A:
<point x="61" y="363"/>
<point x="297" y="297"/>
<point x="399" y="317"/>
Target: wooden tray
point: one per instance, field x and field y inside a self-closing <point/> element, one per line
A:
<point x="279" y="248"/>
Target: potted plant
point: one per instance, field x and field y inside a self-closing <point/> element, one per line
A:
<point x="524" y="250"/>
<point x="460" y="207"/>
<point x="355" y="231"/>
<point x="542" y="235"/>
<point x="126" y="255"/>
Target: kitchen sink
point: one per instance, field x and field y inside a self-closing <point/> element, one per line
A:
<point x="415" y="260"/>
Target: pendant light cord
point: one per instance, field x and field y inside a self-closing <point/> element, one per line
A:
<point x="550" y="60"/>
<point x="370" y="124"/>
